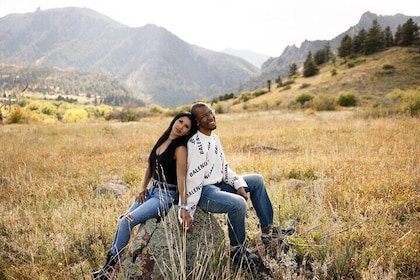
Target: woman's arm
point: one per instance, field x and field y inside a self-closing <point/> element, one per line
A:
<point x="143" y="191"/>
<point x="181" y="171"/>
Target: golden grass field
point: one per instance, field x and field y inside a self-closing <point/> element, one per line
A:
<point x="356" y="217"/>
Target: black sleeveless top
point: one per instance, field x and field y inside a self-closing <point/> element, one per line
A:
<point x="163" y="166"/>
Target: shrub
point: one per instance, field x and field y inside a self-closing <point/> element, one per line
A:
<point x="302" y="174"/>
<point x="388" y="67"/>
<point x="245" y="96"/>
<point x="260" y="92"/>
<point x="411" y="103"/>
<point x="303" y="98"/>
<point x="75" y="115"/>
<point x="324" y="102"/>
<point x="49" y="109"/>
<point x="347" y="99"/>
<point x="304" y="85"/>
<point x="17" y="115"/>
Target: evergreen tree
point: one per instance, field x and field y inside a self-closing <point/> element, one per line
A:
<point x="358" y="46"/>
<point x="409" y="34"/>
<point x="397" y="37"/>
<point x="292" y="69"/>
<point x="309" y="67"/>
<point x="388" y="38"/>
<point x="323" y="55"/>
<point x="374" y="41"/>
<point x="345" y="48"/>
<point x="279" y="81"/>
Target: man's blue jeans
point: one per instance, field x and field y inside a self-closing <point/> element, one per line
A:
<point x="156" y="204"/>
<point x="223" y="199"/>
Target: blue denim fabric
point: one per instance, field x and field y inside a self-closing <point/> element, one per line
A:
<point x="157" y="203"/>
<point x="223" y="199"/>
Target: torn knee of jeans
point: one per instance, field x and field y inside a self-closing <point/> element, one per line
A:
<point x="128" y="217"/>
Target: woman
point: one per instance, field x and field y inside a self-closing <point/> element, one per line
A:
<point x="167" y="170"/>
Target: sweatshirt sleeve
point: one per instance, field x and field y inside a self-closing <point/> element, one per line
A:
<point x="229" y="176"/>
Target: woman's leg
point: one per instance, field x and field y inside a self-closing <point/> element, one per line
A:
<point x="156" y="205"/>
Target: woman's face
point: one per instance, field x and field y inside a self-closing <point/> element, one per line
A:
<point x="181" y="127"/>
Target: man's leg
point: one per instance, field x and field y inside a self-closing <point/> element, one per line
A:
<point x="260" y="200"/>
<point x="213" y="199"/>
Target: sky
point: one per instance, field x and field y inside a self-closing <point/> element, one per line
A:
<point x="262" y="26"/>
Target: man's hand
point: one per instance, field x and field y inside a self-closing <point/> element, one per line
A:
<point x="186" y="220"/>
<point x="241" y="191"/>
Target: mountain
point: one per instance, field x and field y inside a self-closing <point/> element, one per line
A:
<point x="279" y="66"/>
<point x="155" y="64"/>
<point x="256" y="59"/>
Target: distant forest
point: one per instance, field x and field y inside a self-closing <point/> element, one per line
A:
<point x="103" y="88"/>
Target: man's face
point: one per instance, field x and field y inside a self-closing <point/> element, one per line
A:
<point x="206" y="119"/>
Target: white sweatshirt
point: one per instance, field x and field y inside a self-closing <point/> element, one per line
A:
<point x="207" y="166"/>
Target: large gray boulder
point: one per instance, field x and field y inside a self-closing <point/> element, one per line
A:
<point x="161" y="250"/>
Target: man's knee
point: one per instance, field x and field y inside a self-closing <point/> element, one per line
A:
<point x="240" y="205"/>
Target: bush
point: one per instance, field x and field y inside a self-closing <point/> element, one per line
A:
<point x="347" y="100"/>
<point x="49" y="109"/>
<point x="259" y="92"/>
<point x="75" y="115"/>
<point x="304" y="85"/>
<point x="388" y="67"/>
<point x="303" y="98"/>
<point x="324" y="102"/>
<point x="245" y="96"/>
<point x="411" y="103"/>
<point x="17" y="115"/>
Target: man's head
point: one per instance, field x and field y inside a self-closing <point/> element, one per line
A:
<point x="205" y="117"/>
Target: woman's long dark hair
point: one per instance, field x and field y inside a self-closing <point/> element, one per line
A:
<point x="180" y="140"/>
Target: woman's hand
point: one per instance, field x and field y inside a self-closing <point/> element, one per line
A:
<point x="186" y="220"/>
<point x="141" y="196"/>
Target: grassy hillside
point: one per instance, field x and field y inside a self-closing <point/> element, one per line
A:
<point x="349" y="185"/>
<point x="371" y="79"/>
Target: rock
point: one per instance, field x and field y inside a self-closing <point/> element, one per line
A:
<point x="160" y="250"/>
<point x="116" y="188"/>
<point x="295" y="183"/>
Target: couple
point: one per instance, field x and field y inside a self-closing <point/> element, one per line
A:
<point x="188" y="163"/>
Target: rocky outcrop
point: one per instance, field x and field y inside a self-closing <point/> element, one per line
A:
<point x="160" y="249"/>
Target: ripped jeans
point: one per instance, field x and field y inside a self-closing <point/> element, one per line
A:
<point x="156" y="204"/>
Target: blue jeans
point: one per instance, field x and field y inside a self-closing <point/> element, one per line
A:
<point x="156" y="204"/>
<point x="223" y="199"/>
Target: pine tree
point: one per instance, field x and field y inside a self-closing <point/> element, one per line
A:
<point x="409" y="34"/>
<point x="309" y="67"/>
<point x="358" y="46"/>
<point x="374" y="41"/>
<point x="292" y="69"/>
<point x="388" y="38"/>
<point x="345" y="48"/>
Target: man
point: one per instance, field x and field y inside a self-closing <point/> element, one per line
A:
<point x="214" y="187"/>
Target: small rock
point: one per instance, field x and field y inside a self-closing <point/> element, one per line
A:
<point x="117" y="188"/>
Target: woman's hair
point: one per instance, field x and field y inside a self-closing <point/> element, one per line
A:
<point x="180" y="140"/>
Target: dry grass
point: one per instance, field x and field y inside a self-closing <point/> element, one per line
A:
<point x="360" y="218"/>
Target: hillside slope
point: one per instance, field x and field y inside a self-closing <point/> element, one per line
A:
<point x="368" y="77"/>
